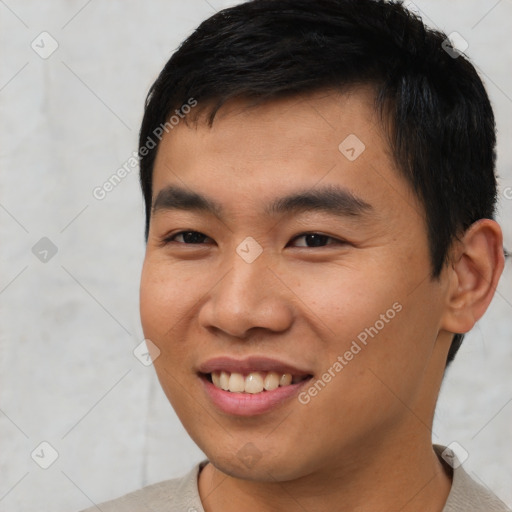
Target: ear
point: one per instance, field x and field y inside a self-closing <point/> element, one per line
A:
<point x="476" y="266"/>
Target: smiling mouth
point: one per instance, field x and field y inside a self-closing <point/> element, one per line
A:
<point x="252" y="382"/>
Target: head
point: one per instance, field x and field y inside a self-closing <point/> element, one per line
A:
<point x="268" y="110"/>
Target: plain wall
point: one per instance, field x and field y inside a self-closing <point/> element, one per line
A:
<point x="69" y="324"/>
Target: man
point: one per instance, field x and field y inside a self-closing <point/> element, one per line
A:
<point x="320" y="191"/>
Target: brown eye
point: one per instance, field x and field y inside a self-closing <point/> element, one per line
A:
<point x="188" y="237"/>
<point x="316" y="240"/>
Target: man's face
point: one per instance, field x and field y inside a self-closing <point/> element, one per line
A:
<point x="336" y="291"/>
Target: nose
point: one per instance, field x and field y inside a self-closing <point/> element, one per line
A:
<point x="250" y="296"/>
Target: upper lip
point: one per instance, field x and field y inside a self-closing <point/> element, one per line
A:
<point x="248" y="365"/>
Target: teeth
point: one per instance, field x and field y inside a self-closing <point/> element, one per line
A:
<point x="236" y="383"/>
<point x="217" y="380"/>
<point x="254" y="382"/>
<point x="285" y="379"/>
<point x="271" y="381"/>
<point x="224" y="380"/>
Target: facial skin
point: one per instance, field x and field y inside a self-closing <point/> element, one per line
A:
<point x="365" y="439"/>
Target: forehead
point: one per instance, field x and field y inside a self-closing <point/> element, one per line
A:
<point x="305" y="121"/>
<point x="250" y="152"/>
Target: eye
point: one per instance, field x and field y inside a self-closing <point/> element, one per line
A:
<point x="316" y="240"/>
<point x="188" y="237"/>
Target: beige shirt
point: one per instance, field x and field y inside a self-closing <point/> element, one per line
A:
<point x="182" y="494"/>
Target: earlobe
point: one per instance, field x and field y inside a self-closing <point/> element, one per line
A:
<point x="474" y="273"/>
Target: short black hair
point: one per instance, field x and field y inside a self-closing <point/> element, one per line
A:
<point x="439" y="119"/>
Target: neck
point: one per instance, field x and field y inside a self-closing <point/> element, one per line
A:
<point x="405" y="475"/>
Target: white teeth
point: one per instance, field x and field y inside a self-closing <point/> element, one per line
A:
<point x="271" y="381"/>
<point x="254" y="382"/>
<point x="236" y="383"/>
<point x="224" y="380"/>
<point x="216" y="379"/>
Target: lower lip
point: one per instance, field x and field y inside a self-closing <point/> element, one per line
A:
<point x="249" y="404"/>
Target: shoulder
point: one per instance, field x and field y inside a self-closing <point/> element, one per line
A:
<point x="178" y="494"/>
<point x="467" y="495"/>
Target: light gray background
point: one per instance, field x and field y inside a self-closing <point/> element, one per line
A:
<point x="69" y="326"/>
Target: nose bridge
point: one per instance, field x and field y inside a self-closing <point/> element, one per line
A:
<point x="246" y="285"/>
<point x="248" y="295"/>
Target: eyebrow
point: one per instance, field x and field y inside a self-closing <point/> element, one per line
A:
<point x="331" y="199"/>
<point x="173" y="197"/>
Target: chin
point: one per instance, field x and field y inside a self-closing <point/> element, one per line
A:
<point x="249" y="463"/>
<point x="258" y="472"/>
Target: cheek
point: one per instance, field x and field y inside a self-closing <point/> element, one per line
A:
<point x="346" y="300"/>
<point x="163" y="301"/>
<point x="163" y="304"/>
<point x="373" y="321"/>
<point x="385" y="343"/>
<point x="169" y="301"/>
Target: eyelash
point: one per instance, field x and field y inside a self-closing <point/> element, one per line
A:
<point x="170" y="239"/>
